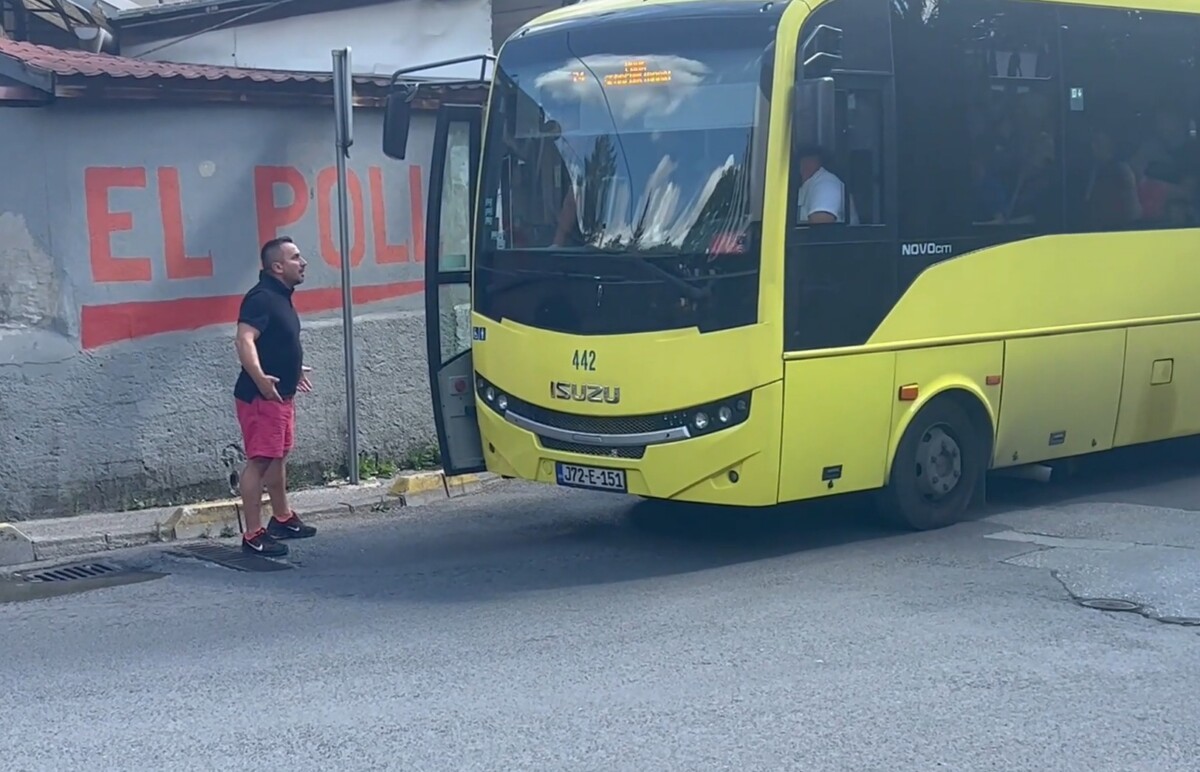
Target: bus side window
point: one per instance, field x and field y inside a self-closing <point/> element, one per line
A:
<point x="1132" y="161"/>
<point x="977" y="93"/>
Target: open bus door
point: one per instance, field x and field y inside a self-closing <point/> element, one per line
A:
<point x="453" y="182"/>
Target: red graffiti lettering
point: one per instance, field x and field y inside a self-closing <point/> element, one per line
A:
<point x="326" y="183"/>
<point x="273" y="217"/>
<point x="103" y="222"/>
<point x="103" y="325"/>
<point x="107" y="323"/>
<point x="170" y="202"/>
<point x="385" y="253"/>
<point x="270" y="216"/>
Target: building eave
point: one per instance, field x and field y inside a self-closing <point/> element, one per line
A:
<point x="195" y="15"/>
<point x="73" y="74"/>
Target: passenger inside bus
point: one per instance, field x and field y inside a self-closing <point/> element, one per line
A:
<point x="1111" y="196"/>
<point x="989" y="195"/>
<point x="1036" y="191"/>
<point x="1152" y="187"/>
<point x="1014" y="164"/>
<point x="1166" y="166"/>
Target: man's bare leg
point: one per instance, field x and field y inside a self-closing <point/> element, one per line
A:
<point x="275" y="478"/>
<point x="251" y="487"/>
<point x="285" y="524"/>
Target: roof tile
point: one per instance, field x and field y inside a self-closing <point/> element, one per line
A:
<point x="72" y="63"/>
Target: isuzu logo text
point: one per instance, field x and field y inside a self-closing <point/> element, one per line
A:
<point x="585" y="392"/>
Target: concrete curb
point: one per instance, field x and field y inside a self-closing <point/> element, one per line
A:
<point x="210" y="519"/>
<point x="15" y="546"/>
<point x="422" y="488"/>
<point x="221" y="518"/>
<point x="425" y="487"/>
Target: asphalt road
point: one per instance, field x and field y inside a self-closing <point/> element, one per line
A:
<point x="549" y="630"/>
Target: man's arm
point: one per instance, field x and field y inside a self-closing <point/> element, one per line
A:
<point x="253" y="318"/>
<point x="247" y="352"/>
<point x="248" y="355"/>
<point x="826" y="202"/>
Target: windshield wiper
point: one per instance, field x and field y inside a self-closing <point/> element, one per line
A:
<point x="568" y="272"/>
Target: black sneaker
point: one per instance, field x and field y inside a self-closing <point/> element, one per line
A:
<point x="292" y="528"/>
<point x="261" y="543"/>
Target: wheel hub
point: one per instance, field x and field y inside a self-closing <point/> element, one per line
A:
<point x="939" y="464"/>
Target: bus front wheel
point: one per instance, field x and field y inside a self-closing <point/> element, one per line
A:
<point x="939" y="464"/>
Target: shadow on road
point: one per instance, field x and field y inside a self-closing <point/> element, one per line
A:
<point x="533" y="543"/>
<point x="1157" y="475"/>
<point x="537" y="539"/>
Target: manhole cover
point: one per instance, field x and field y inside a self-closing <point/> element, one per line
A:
<point x="69" y="573"/>
<point x="233" y="557"/>
<point x="1110" y="604"/>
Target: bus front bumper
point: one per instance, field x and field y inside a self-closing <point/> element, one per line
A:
<point x="737" y="466"/>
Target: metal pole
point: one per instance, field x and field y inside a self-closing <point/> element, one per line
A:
<point x="342" y="142"/>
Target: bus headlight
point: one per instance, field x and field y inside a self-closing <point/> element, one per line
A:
<point x="697" y="421"/>
<point x="715" y="416"/>
<point x="493" y="396"/>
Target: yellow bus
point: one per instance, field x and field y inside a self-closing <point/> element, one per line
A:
<point x="742" y="253"/>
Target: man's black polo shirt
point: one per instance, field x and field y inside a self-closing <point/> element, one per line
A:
<point x="268" y="308"/>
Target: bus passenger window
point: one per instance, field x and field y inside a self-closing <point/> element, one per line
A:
<point x="1133" y="160"/>
<point x="1012" y="122"/>
<point x="979" y="121"/>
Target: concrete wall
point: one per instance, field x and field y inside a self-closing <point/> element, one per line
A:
<point x="382" y="38"/>
<point x="128" y="234"/>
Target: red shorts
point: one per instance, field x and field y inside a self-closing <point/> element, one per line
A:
<point x="268" y="427"/>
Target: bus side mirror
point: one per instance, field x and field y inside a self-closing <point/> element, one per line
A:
<point x="813" y="114"/>
<point x="397" y="116"/>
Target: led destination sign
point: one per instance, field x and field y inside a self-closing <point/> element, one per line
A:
<point x="634" y="73"/>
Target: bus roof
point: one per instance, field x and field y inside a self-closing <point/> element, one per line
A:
<point x="586" y="8"/>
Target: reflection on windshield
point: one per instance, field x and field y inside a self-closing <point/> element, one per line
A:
<point x="617" y="190"/>
<point x="630" y="152"/>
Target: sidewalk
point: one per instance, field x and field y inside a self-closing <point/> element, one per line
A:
<point x="32" y="541"/>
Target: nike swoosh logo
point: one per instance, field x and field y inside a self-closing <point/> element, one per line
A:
<point x="257" y="547"/>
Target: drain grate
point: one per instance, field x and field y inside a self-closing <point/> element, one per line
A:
<point x="71" y="573"/>
<point x="1109" y="604"/>
<point x="233" y="557"/>
<point x="72" y="579"/>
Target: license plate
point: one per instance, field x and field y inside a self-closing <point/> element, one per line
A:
<point x="575" y="476"/>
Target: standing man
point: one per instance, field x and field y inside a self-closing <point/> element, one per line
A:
<point x="268" y="345"/>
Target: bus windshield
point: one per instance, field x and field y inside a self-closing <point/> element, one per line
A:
<point x="618" y="193"/>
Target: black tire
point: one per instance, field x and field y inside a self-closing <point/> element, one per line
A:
<point x="938" y="468"/>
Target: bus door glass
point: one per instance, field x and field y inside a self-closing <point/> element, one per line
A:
<point x="840" y="254"/>
<point x="453" y="178"/>
<point x="842" y="272"/>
